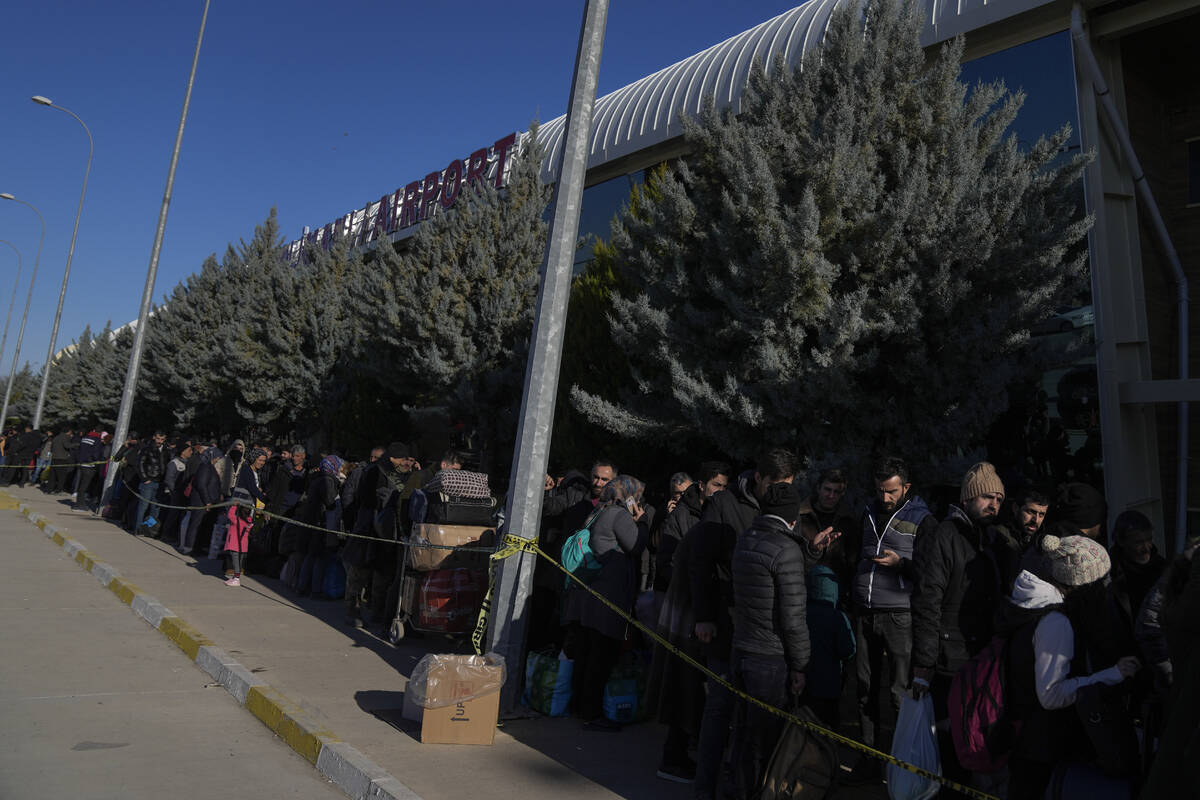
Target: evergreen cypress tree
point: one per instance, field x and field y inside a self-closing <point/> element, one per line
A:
<point x="451" y="316"/>
<point x="851" y="264"/>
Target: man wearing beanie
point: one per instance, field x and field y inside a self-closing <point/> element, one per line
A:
<point x="770" y="632"/>
<point x="963" y="571"/>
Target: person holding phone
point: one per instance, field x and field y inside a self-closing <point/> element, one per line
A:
<point x="594" y="632"/>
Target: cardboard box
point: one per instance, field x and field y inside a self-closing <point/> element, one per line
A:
<point x="470" y="721"/>
<point x="427" y="559"/>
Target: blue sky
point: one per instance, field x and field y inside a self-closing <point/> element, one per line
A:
<point x="313" y="108"/>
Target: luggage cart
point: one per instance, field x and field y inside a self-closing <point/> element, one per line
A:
<point x="442" y="590"/>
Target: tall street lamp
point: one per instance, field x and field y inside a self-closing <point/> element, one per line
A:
<point x="28" y="299"/>
<point x="139" y="333"/>
<point x="11" y="298"/>
<point x="62" y="294"/>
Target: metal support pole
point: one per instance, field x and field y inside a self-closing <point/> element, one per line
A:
<point x="11" y="299"/>
<point x="139" y="334"/>
<point x="62" y="294"/>
<point x="28" y="299"/>
<point x="515" y="579"/>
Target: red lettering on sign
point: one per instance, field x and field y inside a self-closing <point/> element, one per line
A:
<point x="452" y="182"/>
<point x="501" y="148"/>
<point x="408" y="206"/>
<point x="429" y="196"/>
<point x="382" y="220"/>
<point x="476" y="169"/>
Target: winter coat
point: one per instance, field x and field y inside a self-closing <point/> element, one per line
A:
<point x="206" y="486"/>
<point x="322" y="496"/>
<point x="830" y="634"/>
<point x="237" y="536"/>
<point x="685" y="514"/>
<point x="152" y="462"/>
<point x="90" y="449"/>
<point x="769" y="594"/>
<point x="378" y="487"/>
<point x="617" y="540"/>
<point x="63" y="447"/>
<point x="675" y="690"/>
<point x="726" y="515"/>
<point x="286" y="489"/>
<point x="877" y="587"/>
<point x="1131" y="582"/>
<point x="248" y="479"/>
<point x="556" y="504"/>
<point x="1041" y="681"/>
<point x="963" y="573"/>
<point x="173" y="480"/>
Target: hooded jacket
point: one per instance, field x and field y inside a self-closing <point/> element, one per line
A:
<point x="829" y="632"/>
<point x="1040" y="688"/>
<point x="770" y="598"/>
<point x="963" y="573"/>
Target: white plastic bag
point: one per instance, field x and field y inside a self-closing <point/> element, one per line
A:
<point x="916" y="743"/>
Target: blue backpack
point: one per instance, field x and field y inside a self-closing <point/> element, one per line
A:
<point x="577" y="555"/>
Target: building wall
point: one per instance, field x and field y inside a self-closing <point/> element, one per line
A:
<point x="1162" y="90"/>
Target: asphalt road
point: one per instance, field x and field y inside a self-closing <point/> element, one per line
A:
<point x="94" y="703"/>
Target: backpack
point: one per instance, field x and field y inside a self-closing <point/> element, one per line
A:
<point x="983" y="735"/>
<point x="577" y="555"/>
<point x="804" y="764"/>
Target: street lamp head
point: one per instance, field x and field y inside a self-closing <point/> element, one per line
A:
<point x="7" y="196"/>
<point x="44" y="101"/>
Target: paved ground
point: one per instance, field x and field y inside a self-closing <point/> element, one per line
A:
<point x="347" y="679"/>
<point x="95" y="703"/>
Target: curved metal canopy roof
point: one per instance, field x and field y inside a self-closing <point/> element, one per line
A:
<point x="647" y="112"/>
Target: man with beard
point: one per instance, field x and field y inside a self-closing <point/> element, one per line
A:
<point x="964" y="570"/>
<point x="825" y="511"/>
<point x="882" y="589"/>
<point x="1028" y="509"/>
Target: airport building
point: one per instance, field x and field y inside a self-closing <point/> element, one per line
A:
<point x="1123" y="74"/>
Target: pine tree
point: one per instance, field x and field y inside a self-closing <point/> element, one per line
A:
<point x="850" y="264"/>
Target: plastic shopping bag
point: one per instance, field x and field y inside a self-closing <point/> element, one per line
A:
<point x="916" y="743"/>
<point x="548" y="683"/>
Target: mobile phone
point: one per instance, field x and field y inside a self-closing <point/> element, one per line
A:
<point x="630" y="504"/>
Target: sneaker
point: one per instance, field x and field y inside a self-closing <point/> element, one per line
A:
<point x="234" y="581"/>
<point x="679" y="773"/>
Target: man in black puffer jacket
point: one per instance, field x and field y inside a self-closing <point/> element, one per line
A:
<point x="712" y="540"/>
<point x="770" y="632"/>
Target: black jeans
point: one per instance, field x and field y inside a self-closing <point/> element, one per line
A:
<point x="879" y="634"/>
<point x="756" y="732"/>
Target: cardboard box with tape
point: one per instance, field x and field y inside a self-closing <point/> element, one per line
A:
<point x="458" y="698"/>
<point x="424" y="558"/>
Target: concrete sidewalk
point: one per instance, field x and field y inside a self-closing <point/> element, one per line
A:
<point x="352" y="683"/>
<point x="96" y="704"/>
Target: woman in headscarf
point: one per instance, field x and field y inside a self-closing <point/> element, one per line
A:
<point x="320" y="507"/>
<point x="594" y="632"/>
<point x="206" y="490"/>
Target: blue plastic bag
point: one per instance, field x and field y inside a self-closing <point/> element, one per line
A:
<point x="548" y="683"/>
<point x="915" y="741"/>
<point x="334" y="585"/>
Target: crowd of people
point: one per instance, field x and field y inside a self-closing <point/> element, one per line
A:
<point x="793" y="596"/>
<point x="797" y="598"/>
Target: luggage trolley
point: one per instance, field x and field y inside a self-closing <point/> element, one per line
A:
<point x="441" y="590"/>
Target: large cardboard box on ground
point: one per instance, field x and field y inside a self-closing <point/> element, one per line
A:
<point x="427" y="559"/>
<point x="462" y="700"/>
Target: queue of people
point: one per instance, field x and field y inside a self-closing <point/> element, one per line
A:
<point x="793" y="596"/>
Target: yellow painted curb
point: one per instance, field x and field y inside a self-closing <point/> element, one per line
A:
<point x="124" y="590"/>
<point x="59" y="539"/>
<point x="285" y="718"/>
<point x="185" y="637"/>
<point x="41" y="523"/>
<point x="86" y="559"/>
